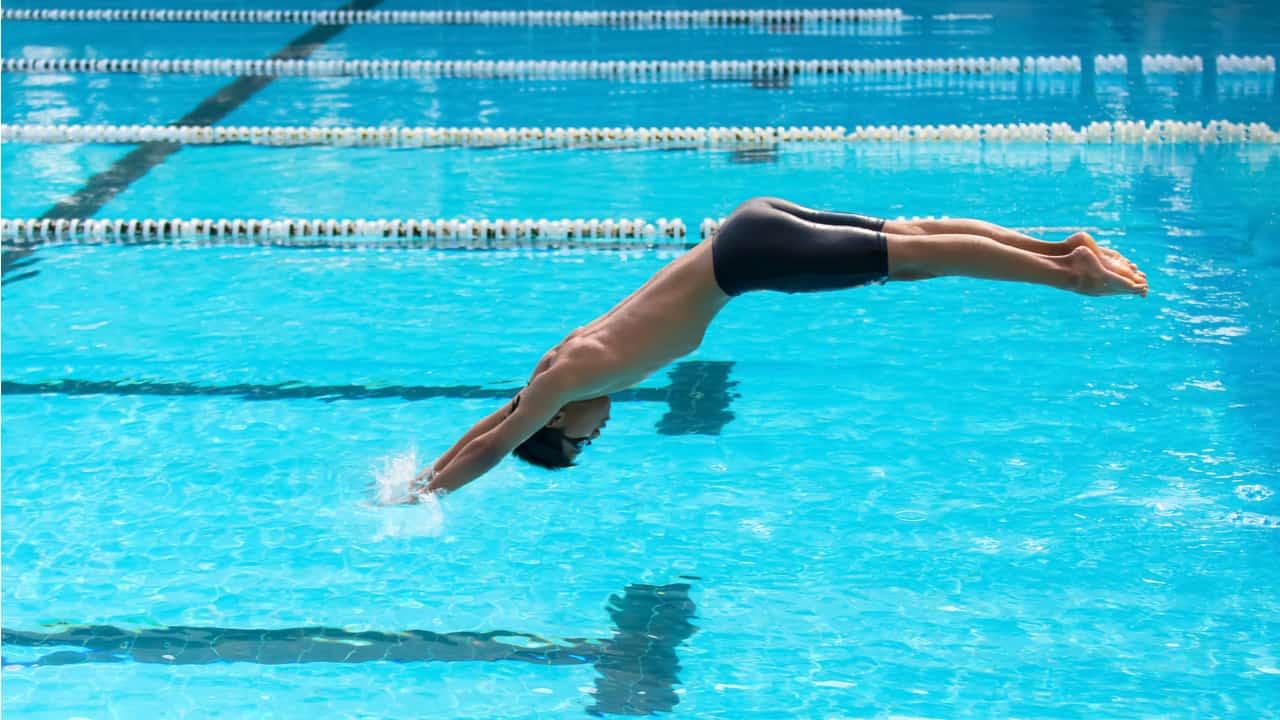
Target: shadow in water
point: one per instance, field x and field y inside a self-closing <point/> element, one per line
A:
<point x="637" y="666"/>
<point x="698" y="396"/>
<point x="771" y="80"/>
<point x="13" y="260"/>
<point x="764" y="155"/>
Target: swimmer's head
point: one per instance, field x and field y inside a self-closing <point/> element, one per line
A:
<point x="573" y="428"/>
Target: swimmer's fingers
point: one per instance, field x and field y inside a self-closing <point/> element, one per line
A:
<point x="418" y="495"/>
<point x="425" y="477"/>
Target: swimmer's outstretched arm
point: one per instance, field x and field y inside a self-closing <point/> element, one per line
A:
<point x="488" y="442"/>
<point x="488" y="423"/>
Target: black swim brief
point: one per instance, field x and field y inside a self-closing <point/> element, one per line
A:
<point x="771" y="244"/>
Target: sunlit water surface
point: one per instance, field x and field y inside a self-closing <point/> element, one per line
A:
<point x="942" y="499"/>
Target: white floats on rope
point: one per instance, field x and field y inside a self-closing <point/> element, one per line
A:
<point x="1171" y="64"/>
<point x="546" y="137"/>
<point x="639" y="70"/>
<point x="1177" y="64"/>
<point x="1157" y="132"/>
<point x="349" y="234"/>
<point x="1246" y="63"/>
<point x="1110" y="64"/>
<point x="622" y="18"/>
<point x="643" y="70"/>
<point x="1227" y="64"/>
<point x="1119" y="132"/>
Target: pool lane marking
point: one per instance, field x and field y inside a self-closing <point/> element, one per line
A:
<point x="698" y="397"/>
<point x="652" y="70"/>
<point x="655" y="19"/>
<point x="637" y="666"/>
<point x="101" y="188"/>
<point x="1153" y="132"/>
<point x="348" y="234"/>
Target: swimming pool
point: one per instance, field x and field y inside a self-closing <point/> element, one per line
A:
<point x="938" y="499"/>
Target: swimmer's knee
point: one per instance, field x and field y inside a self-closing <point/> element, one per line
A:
<point x="904" y="227"/>
<point x="908" y="257"/>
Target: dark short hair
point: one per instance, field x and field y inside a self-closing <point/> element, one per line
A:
<point x="544" y="449"/>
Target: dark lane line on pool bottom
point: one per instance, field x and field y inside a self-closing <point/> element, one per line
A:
<point x="698" y="397"/>
<point x="101" y="188"/>
<point x="637" y="667"/>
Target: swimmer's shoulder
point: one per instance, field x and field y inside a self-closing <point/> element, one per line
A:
<point x="579" y="366"/>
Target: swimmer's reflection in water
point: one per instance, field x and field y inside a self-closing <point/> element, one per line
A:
<point x="765" y="244"/>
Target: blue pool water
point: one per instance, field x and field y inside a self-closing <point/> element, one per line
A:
<point x="943" y="499"/>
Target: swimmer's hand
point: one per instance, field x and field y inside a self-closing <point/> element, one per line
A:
<point x="420" y="485"/>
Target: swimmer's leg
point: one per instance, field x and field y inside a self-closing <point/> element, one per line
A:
<point x="966" y="226"/>
<point x="1113" y="262"/>
<point x="919" y="257"/>
<point x="1005" y="236"/>
<point x="946" y="226"/>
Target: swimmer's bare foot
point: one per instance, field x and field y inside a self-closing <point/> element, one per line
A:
<point x="1093" y="277"/>
<point x="1114" y="261"/>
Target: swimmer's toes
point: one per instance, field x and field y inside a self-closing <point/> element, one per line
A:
<point x="1136" y="282"/>
<point x="1111" y="259"/>
<point x="1096" y="277"/>
<point x="1123" y="266"/>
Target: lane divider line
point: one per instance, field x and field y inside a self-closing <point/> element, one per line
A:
<point x="348" y="233"/>
<point x="609" y="18"/>
<point x="1185" y="64"/>
<point x="640" y="70"/>
<point x="1156" y="132"/>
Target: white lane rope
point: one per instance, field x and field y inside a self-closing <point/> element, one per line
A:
<point x="1246" y="63"/>
<point x="1186" y="64"/>
<point x="636" y="70"/>
<point x="643" y="70"/>
<point x="1156" y="132"/>
<point x="609" y="18"/>
<point x="465" y="234"/>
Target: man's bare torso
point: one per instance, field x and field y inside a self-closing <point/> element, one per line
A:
<point x="663" y="320"/>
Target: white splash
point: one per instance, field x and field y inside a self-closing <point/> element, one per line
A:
<point x="393" y="493"/>
<point x="392" y="482"/>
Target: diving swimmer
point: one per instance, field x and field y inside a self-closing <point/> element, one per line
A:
<point x="765" y="244"/>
